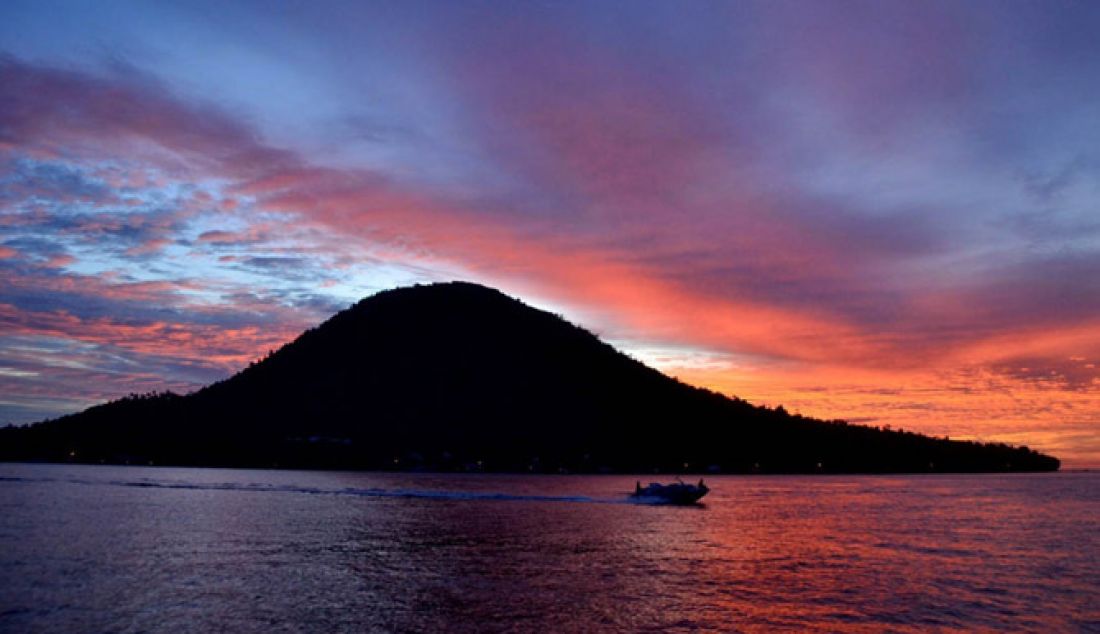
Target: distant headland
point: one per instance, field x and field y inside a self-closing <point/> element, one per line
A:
<point x="456" y="377"/>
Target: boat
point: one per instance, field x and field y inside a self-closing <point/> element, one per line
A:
<point x="676" y="493"/>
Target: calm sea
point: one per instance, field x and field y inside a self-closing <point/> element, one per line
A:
<point x="129" y="549"/>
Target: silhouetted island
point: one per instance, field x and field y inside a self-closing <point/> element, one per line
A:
<point x="458" y="376"/>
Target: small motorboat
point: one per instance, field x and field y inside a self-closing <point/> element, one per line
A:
<point x="676" y="493"/>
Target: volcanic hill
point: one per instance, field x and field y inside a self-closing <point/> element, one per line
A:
<point x="458" y="376"/>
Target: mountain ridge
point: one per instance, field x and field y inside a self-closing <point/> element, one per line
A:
<point x="458" y="376"/>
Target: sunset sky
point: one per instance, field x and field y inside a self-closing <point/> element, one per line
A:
<point x="885" y="212"/>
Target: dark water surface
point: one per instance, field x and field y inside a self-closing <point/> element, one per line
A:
<point x="129" y="549"/>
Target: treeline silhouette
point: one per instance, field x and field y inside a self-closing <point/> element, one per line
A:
<point x="458" y="376"/>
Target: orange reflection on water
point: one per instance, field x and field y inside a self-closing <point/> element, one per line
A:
<point x="873" y="554"/>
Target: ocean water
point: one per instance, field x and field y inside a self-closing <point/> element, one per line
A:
<point x="133" y="549"/>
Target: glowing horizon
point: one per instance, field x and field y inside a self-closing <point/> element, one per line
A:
<point x="882" y="212"/>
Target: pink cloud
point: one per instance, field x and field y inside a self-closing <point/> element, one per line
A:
<point x="154" y="245"/>
<point x="228" y="348"/>
<point x="54" y="112"/>
<point x="59" y="261"/>
<point x="255" y="233"/>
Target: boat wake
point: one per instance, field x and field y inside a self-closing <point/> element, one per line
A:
<point x="371" y="492"/>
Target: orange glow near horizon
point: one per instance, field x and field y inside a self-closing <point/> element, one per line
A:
<point x="978" y="405"/>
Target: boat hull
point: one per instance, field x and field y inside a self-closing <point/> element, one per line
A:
<point x="679" y="493"/>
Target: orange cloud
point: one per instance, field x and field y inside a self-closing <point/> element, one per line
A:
<point x="229" y="348"/>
